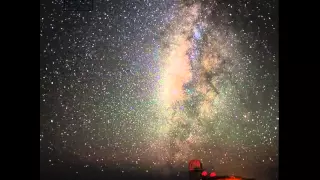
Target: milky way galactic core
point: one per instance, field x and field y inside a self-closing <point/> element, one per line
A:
<point x="152" y="85"/>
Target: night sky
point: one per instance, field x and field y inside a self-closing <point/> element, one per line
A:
<point x="138" y="88"/>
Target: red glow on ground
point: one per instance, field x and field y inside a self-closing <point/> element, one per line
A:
<point x="233" y="178"/>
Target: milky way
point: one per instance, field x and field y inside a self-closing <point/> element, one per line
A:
<point x="150" y="85"/>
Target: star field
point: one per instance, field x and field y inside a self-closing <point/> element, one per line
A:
<point x="148" y="85"/>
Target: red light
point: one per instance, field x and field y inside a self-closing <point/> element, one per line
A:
<point x="204" y="173"/>
<point x="213" y="174"/>
<point x="195" y="164"/>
